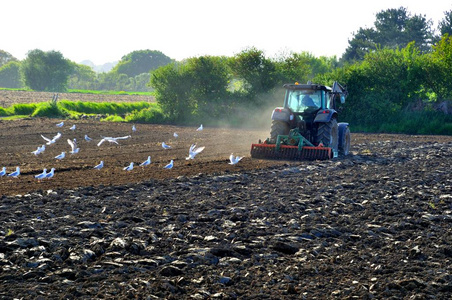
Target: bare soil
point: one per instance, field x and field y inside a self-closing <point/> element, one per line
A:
<point x="375" y="224"/>
<point x="10" y="97"/>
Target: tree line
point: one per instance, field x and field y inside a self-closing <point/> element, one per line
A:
<point x="398" y="66"/>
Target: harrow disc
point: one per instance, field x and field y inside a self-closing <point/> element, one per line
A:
<point x="268" y="151"/>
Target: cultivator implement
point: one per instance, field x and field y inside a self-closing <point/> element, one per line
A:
<point x="290" y="147"/>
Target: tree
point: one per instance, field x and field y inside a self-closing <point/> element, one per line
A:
<point x="383" y="84"/>
<point x="258" y="72"/>
<point x="196" y="87"/>
<point x="210" y="78"/>
<point x="438" y="69"/>
<point x="142" y="61"/>
<point x="394" y="29"/>
<point x="445" y="25"/>
<point x="5" y="58"/>
<point x="294" y="67"/>
<point x="141" y="82"/>
<point x="46" y="71"/>
<point x="83" y="77"/>
<point x="10" y="75"/>
<point x="303" y="66"/>
<point x="172" y="84"/>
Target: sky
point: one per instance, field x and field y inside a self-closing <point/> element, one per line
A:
<point x="105" y="30"/>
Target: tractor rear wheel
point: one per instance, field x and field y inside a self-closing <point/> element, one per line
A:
<point x="328" y="134"/>
<point x="278" y="128"/>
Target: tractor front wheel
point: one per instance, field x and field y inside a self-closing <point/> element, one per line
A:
<point x="328" y="134"/>
<point x="344" y="139"/>
<point x="278" y="128"/>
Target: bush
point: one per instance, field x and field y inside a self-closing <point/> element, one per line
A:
<point x="3" y="112"/>
<point x="150" y="115"/>
<point x="102" y="107"/>
<point x="113" y="118"/>
<point x="49" y="110"/>
<point x="23" y="109"/>
<point x="419" y="123"/>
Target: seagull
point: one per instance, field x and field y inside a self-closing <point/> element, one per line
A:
<point x="129" y="167"/>
<point x="41" y="175"/>
<point x="146" y="162"/>
<point x="194" y="151"/>
<point x="38" y="151"/>
<point x="165" y="146"/>
<point x="100" y="165"/>
<point x="112" y="139"/>
<point x="134" y="128"/>
<point x="51" y="173"/>
<point x="61" y="156"/>
<point x="57" y="136"/>
<point x="73" y="144"/>
<point x="16" y="173"/>
<point x="3" y="172"/>
<point x="72" y="127"/>
<point x="234" y="159"/>
<point x="49" y="141"/>
<point x="170" y="165"/>
<point x="87" y="138"/>
<point x="200" y="128"/>
<point x="60" y="124"/>
<point x="175" y="135"/>
<point x="53" y="140"/>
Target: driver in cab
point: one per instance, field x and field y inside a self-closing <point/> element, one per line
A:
<point x="307" y="101"/>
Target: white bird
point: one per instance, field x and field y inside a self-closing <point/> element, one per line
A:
<point x="3" y="172"/>
<point x="134" y="128"/>
<point x="175" y="135"/>
<point x="112" y="139"/>
<point x="234" y="159"/>
<point x="60" y="124"/>
<point x="100" y="165"/>
<point x="146" y="162"/>
<point x="87" y="138"/>
<point x="37" y="151"/>
<point x="129" y="167"/>
<point x="194" y="151"/>
<point x="57" y="136"/>
<point x="41" y="175"/>
<point x="72" y="127"/>
<point x="53" y="140"/>
<point x="51" y="173"/>
<point x="170" y="165"/>
<point x="16" y="173"/>
<point x="165" y="146"/>
<point x="200" y="128"/>
<point x="61" y="156"/>
<point x="49" y="141"/>
<point x="73" y="144"/>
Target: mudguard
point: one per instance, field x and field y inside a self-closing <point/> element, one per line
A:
<point x="281" y="114"/>
<point x="342" y="126"/>
<point x="325" y="115"/>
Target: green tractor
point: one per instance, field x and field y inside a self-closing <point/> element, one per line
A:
<point x="307" y="127"/>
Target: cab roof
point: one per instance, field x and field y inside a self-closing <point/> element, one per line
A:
<point x="312" y="86"/>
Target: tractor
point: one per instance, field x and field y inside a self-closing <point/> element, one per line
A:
<point x="307" y="127"/>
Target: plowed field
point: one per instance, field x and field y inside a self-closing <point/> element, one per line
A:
<point x="372" y="225"/>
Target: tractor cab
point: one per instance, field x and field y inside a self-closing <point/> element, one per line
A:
<point x="304" y="103"/>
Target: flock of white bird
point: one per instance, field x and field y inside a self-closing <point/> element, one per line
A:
<point x="192" y="153"/>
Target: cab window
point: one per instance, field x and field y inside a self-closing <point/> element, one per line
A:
<point x="302" y="100"/>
